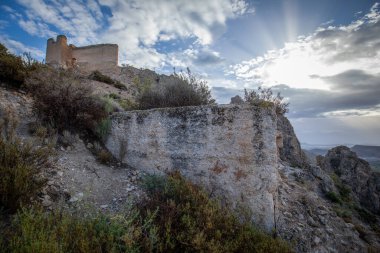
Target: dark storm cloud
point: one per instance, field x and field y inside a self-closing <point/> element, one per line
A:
<point x="355" y="80"/>
<point x="350" y="90"/>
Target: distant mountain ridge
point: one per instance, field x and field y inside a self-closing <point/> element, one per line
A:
<point x="367" y="151"/>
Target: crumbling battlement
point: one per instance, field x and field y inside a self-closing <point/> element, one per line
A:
<point x="88" y="58"/>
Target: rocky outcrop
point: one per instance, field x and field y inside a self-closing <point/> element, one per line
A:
<point x="305" y="217"/>
<point x="356" y="174"/>
<point x="288" y="144"/>
<point x="230" y="150"/>
<point x="246" y="156"/>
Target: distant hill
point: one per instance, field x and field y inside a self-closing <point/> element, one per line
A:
<point x="318" y="151"/>
<point x="367" y="151"/>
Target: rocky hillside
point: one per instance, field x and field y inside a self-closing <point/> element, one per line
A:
<point x="240" y="154"/>
<point x="361" y="183"/>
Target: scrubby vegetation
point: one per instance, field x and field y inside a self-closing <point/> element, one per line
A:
<point x="65" y="101"/>
<point x="346" y="207"/>
<point x="183" y="89"/>
<point x="177" y="216"/>
<point x="188" y="221"/>
<point x="264" y="97"/>
<point x="20" y="166"/>
<point x="64" y="232"/>
<point x="98" y="76"/>
<point x="11" y="68"/>
<point x="15" y="69"/>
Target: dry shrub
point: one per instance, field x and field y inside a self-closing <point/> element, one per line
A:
<point x="183" y="89"/>
<point x="21" y="164"/>
<point x="65" y="100"/>
<point x="189" y="221"/>
<point x="104" y="156"/>
<point x="176" y="217"/>
<point x="14" y="69"/>
<point x="265" y="98"/>
<point x="34" y="230"/>
<point x="98" y="76"/>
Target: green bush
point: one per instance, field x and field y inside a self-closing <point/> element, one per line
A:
<point x="98" y="76"/>
<point x="102" y="129"/>
<point x="63" y="232"/>
<point x="264" y="98"/>
<point x="333" y="197"/>
<point x="20" y="166"/>
<point x="14" y="69"/>
<point x="65" y="101"/>
<point x="366" y="215"/>
<point x="180" y="90"/>
<point x="188" y="221"/>
<point x="127" y="104"/>
<point x="344" y="190"/>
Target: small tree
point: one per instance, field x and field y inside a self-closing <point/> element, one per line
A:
<point x="265" y="97"/>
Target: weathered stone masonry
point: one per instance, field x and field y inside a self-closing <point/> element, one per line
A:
<point x="229" y="149"/>
<point x="93" y="57"/>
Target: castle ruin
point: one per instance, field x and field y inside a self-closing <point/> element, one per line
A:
<point x="87" y="58"/>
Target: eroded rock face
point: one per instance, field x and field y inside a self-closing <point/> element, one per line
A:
<point x="288" y="144"/>
<point x="230" y="150"/>
<point x="355" y="173"/>
<point x="306" y="217"/>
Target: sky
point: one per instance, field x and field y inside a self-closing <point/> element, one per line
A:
<point x="322" y="56"/>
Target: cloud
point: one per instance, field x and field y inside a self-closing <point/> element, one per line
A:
<point x="7" y="9"/>
<point x="207" y="57"/>
<point x="36" y="28"/>
<point x="17" y="47"/>
<point x="3" y="24"/>
<point x="328" y="51"/>
<point x="135" y="25"/>
<point x="79" y="20"/>
<point x="333" y="72"/>
<point x="224" y="95"/>
<point x="197" y="58"/>
<point x="348" y="130"/>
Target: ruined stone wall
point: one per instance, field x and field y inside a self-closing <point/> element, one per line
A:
<point x="94" y="57"/>
<point x="229" y="149"/>
<point x="89" y="58"/>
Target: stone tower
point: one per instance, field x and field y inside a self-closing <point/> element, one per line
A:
<point x="58" y="52"/>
